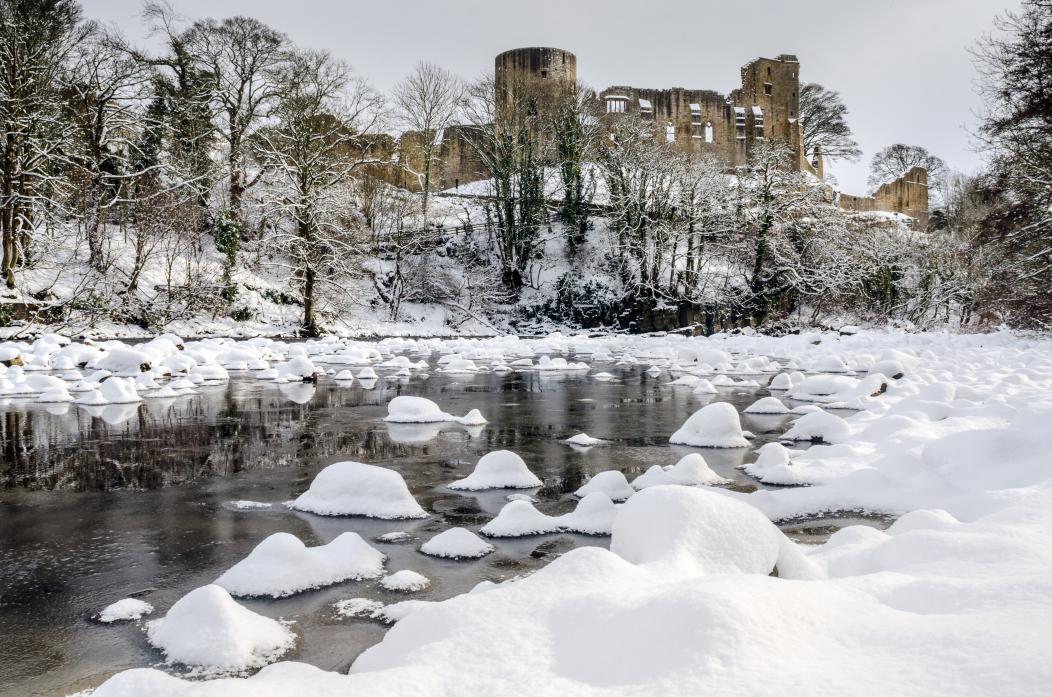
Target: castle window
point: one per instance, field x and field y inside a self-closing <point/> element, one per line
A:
<point x="768" y="88"/>
<point x="739" y="122"/>
<point x="757" y="121"/>
<point x="544" y="74"/>
<point x="670" y="133"/>
<point x="695" y="121"/>
<point x="646" y="109"/>
<point x="708" y="132"/>
<point x="616" y="105"/>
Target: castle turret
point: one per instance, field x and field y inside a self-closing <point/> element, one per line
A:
<point x="538" y="69"/>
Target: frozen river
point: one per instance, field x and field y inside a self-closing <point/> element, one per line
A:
<point x="101" y="503"/>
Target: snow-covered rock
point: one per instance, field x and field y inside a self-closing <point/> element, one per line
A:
<point x="457" y="543"/>
<point x="713" y="426"/>
<point x="594" y="515"/>
<point x="125" y="610"/>
<point x="405" y="581"/>
<point x="692" y="470"/>
<point x="282" y="565"/>
<point x="613" y="483"/>
<point x="518" y="519"/>
<point x="500" y="469"/>
<point x="583" y="440"/>
<point x="767" y="405"/>
<point x="206" y="628"/>
<point x="354" y="488"/>
<point x="819" y="426"/>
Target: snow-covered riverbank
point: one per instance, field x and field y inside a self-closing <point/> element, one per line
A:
<point x="699" y="592"/>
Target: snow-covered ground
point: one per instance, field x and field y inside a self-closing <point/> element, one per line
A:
<point x="699" y="592"/>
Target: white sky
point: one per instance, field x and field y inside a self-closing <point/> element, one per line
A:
<point x="902" y="66"/>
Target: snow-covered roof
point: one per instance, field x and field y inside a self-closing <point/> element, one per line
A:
<point x="616" y="96"/>
<point x="695" y="108"/>
<point x="645" y="105"/>
<point x="757" y="111"/>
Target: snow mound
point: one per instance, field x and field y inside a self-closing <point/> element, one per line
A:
<point x="405" y="581"/>
<point x="713" y="426"/>
<point x="125" y="610"/>
<point x="767" y="405"/>
<point x="583" y="440"/>
<point x="703" y="386"/>
<point x="354" y="488"/>
<point x="820" y="427"/>
<point x="594" y="515"/>
<point x="405" y="409"/>
<point x="703" y="529"/>
<point x="207" y="628"/>
<point x="692" y="470"/>
<point x="281" y="565"/>
<point x="358" y="607"/>
<point x="457" y="543"/>
<point x="500" y="469"/>
<point x="611" y="482"/>
<point x="518" y="519"/>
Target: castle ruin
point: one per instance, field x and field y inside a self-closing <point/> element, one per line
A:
<point x="765" y="105"/>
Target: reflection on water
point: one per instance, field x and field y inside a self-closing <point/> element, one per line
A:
<point x="101" y="503"/>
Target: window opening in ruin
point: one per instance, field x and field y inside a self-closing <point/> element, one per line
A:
<point x="695" y="121"/>
<point x="544" y="74"/>
<point x="616" y="105"/>
<point x="670" y="133"/>
<point x="757" y="120"/>
<point x="739" y="121"/>
<point x="768" y="88"/>
<point x="708" y="132"/>
<point x="646" y="109"/>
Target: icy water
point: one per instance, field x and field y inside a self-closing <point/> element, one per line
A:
<point x="102" y="503"/>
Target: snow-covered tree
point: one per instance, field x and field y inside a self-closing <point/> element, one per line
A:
<point x="428" y="100"/>
<point x="895" y="160"/>
<point x="106" y="95"/>
<point x="323" y="128"/>
<point x="37" y="40"/>
<point x="1016" y="82"/>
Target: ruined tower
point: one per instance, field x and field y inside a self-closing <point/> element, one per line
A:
<point x="546" y="72"/>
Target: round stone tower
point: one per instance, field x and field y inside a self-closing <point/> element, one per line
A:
<point x="546" y="69"/>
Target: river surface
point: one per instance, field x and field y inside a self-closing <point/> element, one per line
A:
<point x="98" y="504"/>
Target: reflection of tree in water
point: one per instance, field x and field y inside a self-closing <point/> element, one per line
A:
<point x="222" y="430"/>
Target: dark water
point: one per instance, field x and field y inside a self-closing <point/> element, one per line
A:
<point x="137" y="500"/>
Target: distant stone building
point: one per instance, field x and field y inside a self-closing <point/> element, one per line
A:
<point x="766" y="105"/>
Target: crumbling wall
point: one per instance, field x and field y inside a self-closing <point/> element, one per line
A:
<point x="908" y="195"/>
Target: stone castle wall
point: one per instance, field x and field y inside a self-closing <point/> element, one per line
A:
<point x="766" y="105"/>
<point x="908" y="195"/>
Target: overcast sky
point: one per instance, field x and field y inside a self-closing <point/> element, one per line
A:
<point x="902" y="65"/>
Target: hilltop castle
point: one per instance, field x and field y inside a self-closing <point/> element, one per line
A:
<point x="766" y="105"/>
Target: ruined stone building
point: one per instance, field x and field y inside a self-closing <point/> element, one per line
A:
<point x="765" y="105"/>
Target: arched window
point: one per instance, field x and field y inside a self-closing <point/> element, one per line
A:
<point x="708" y="132"/>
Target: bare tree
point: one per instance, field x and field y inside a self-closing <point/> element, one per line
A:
<point x="428" y="100"/>
<point x="895" y="160"/>
<point x="823" y="116"/>
<point x="36" y="42"/>
<point x="324" y="119"/>
<point x="106" y="95"/>
<point x="242" y="57"/>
